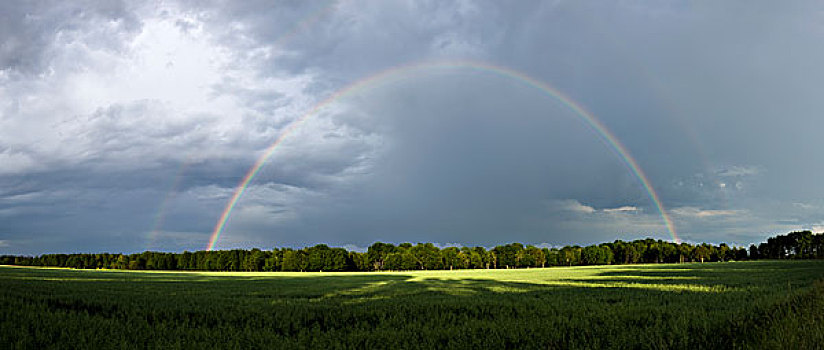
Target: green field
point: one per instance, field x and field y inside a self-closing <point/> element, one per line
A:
<point x="764" y="304"/>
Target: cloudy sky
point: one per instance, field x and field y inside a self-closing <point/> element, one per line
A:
<point x="128" y="126"/>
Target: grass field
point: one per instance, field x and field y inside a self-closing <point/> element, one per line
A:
<point x="766" y="304"/>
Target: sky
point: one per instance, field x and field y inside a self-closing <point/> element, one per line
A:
<point x="128" y="126"/>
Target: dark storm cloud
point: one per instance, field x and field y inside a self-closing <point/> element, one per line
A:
<point x="127" y="126"/>
<point x="464" y="168"/>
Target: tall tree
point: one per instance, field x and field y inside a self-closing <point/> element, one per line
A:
<point x="377" y="252"/>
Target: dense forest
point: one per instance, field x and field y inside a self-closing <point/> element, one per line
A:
<point x="426" y="256"/>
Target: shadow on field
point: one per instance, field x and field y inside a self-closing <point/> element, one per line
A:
<point x="415" y="287"/>
<point x="699" y="277"/>
<point x="606" y="282"/>
<point x="628" y="280"/>
<point x="714" y="305"/>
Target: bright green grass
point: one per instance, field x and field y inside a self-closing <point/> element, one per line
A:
<point x="774" y="304"/>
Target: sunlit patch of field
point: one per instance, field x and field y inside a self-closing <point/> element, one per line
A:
<point x="713" y="305"/>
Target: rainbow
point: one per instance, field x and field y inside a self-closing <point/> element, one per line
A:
<point x="399" y="71"/>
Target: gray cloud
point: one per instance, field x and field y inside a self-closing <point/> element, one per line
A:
<point x="31" y="31"/>
<point x="127" y="126"/>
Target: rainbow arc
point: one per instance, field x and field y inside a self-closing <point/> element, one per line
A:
<point x="386" y="75"/>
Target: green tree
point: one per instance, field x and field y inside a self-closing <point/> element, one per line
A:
<point x="509" y="255"/>
<point x="721" y="252"/>
<point x="427" y="255"/>
<point x="607" y="255"/>
<point x="537" y="256"/>
<point x="570" y="255"/>
<point x="684" y="252"/>
<point x="450" y="258"/>
<point x="359" y="261"/>
<point x="293" y="261"/>
<point x="701" y="253"/>
<point x="377" y="252"/>
<point x="590" y="255"/>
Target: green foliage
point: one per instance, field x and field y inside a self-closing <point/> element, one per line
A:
<point x="426" y="256"/>
<point x="740" y="305"/>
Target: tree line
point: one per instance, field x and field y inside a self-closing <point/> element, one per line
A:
<point x="426" y="256"/>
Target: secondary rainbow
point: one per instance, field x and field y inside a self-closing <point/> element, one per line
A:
<point x="302" y="25"/>
<point x="160" y="216"/>
<point x="397" y="72"/>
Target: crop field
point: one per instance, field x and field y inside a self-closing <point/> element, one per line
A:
<point x="764" y="304"/>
